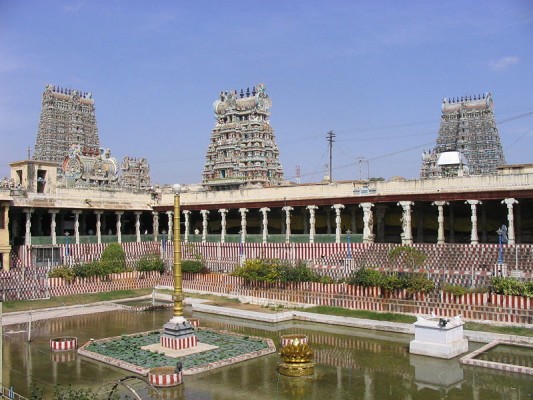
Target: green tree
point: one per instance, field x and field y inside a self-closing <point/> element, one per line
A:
<point x="150" y="262"/>
<point x="194" y="266"/>
<point x="366" y="277"/>
<point x="408" y="256"/>
<point x="113" y="259"/>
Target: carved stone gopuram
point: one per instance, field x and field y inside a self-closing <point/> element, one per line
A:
<point x="468" y="142"/>
<point x="242" y="151"/>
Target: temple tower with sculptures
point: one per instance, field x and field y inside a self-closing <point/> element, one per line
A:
<point x="242" y="150"/>
<point x="468" y="142"/>
<point x="67" y="119"/>
<point x="68" y="139"/>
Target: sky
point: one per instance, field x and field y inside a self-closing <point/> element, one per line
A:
<point x="373" y="72"/>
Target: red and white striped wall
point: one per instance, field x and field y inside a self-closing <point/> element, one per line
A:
<point x="178" y="343"/>
<point x="64" y="344"/>
<point x="165" y="377"/>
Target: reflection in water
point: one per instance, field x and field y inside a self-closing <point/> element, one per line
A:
<point x="350" y="363"/>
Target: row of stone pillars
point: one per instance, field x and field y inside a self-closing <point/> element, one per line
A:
<point x="368" y="222"/>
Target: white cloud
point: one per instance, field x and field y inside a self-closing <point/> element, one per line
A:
<point x="503" y="63"/>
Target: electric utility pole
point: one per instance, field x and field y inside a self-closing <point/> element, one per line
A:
<point x="330" y="139"/>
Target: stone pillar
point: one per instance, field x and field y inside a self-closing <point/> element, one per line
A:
<point x="223" y="213"/>
<point x="205" y="214"/>
<point x="27" y="236"/>
<point x="474" y="239"/>
<point x="338" y="221"/>
<point x="137" y="226"/>
<point x="407" y="235"/>
<point x="312" y="222"/>
<point x="243" y="212"/>
<point x="440" y="219"/>
<point x="264" y="211"/>
<point x="510" y="219"/>
<point x="155" y="224"/>
<point x="380" y="212"/>
<point x="119" y="225"/>
<point x="53" y="225"/>
<point x="77" y="225"/>
<point x="170" y="225"/>
<point x="287" y="210"/>
<point x="186" y="214"/>
<point x="98" y="226"/>
<point x="368" y="221"/>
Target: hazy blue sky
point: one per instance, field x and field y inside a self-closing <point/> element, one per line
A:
<point x="374" y="72"/>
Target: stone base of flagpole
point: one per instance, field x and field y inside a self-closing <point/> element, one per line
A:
<point x="178" y="333"/>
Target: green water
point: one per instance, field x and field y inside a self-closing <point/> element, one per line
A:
<point x="351" y="364"/>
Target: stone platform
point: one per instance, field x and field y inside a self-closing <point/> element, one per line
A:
<point x="439" y="337"/>
<point x="141" y="352"/>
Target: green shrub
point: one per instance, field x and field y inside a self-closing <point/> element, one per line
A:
<point x="258" y="270"/>
<point x="65" y="272"/>
<point x="297" y="273"/>
<point x="193" y="266"/>
<point x="366" y="277"/>
<point x="90" y="269"/>
<point x="113" y="259"/>
<point x="274" y="270"/>
<point x="455" y="290"/>
<point x="512" y="286"/>
<point x="150" y="262"/>
<point x="393" y="282"/>
<point x="419" y="283"/>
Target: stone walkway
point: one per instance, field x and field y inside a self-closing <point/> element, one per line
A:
<point x="286" y="315"/>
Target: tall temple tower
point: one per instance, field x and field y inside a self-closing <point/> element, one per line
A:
<point x="468" y="142"/>
<point x="67" y="119"/>
<point x="243" y="149"/>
